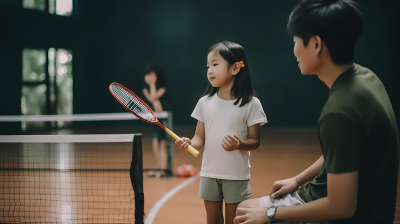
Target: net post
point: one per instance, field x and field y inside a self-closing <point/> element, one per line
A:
<point x="170" y="145"/>
<point x="136" y="174"/>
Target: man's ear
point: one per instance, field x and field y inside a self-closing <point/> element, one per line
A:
<point x="236" y="68"/>
<point x="317" y="44"/>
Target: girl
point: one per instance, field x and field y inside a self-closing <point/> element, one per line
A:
<point x="228" y="105"/>
<point x="154" y="91"/>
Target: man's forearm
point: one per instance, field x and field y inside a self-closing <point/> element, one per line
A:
<point x="315" y="211"/>
<point x="311" y="172"/>
<point x="341" y="202"/>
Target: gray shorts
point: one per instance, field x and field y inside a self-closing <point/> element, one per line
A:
<point x="291" y="199"/>
<point x="284" y="200"/>
<point x="232" y="191"/>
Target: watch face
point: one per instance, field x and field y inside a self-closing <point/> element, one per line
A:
<point x="271" y="212"/>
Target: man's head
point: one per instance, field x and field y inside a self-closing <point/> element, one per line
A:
<point x="337" y="23"/>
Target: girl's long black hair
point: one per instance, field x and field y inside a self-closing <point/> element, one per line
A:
<point x="242" y="89"/>
<point x="161" y="81"/>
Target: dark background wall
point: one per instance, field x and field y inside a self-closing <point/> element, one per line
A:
<point x="113" y="40"/>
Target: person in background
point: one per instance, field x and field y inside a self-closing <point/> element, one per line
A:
<point x="154" y="91"/>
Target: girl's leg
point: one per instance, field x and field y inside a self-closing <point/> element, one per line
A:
<point x="214" y="212"/>
<point x="156" y="152"/>
<point x="163" y="154"/>
<point x="230" y="212"/>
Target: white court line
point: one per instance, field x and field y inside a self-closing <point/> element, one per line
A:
<point x="153" y="211"/>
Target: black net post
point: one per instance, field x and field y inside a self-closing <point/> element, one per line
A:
<point x="136" y="174"/>
<point x="170" y="146"/>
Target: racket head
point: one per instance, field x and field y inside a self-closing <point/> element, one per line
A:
<point x="133" y="103"/>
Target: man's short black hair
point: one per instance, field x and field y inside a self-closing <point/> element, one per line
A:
<point x="337" y="22"/>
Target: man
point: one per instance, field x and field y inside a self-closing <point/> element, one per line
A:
<point x="355" y="179"/>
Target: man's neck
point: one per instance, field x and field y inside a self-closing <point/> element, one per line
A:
<point x="330" y="72"/>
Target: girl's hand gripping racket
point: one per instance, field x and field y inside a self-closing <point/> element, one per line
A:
<point x="140" y="109"/>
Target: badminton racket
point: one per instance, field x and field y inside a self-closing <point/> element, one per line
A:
<point x="140" y="109"/>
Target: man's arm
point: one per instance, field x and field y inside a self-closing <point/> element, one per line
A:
<point x="311" y="172"/>
<point x="289" y="185"/>
<point x="341" y="203"/>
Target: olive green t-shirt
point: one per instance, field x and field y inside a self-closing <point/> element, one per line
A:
<point x="358" y="132"/>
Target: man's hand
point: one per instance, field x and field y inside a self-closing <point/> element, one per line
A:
<point x="251" y="215"/>
<point x="283" y="187"/>
<point x="183" y="143"/>
<point x="230" y="143"/>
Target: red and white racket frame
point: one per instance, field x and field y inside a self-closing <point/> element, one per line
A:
<point x="147" y="106"/>
<point x="190" y="148"/>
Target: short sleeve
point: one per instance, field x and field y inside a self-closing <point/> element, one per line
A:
<point x="198" y="110"/>
<point x="256" y="113"/>
<point x="340" y="139"/>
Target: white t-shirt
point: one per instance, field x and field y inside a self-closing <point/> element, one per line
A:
<point x="220" y="118"/>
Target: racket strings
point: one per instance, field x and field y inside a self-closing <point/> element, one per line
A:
<point x="133" y="103"/>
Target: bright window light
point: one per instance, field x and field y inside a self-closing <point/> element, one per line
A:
<point x="64" y="7"/>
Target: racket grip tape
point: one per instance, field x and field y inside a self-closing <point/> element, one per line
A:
<point x="189" y="148"/>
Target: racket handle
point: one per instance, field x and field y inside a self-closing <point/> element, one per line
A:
<point x="193" y="151"/>
<point x="189" y="148"/>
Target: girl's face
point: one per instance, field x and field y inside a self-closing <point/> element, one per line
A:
<point x="219" y="73"/>
<point x="150" y="78"/>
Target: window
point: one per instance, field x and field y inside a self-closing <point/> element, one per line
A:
<point x="61" y="76"/>
<point x="46" y="91"/>
<point x="33" y="99"/>
<point x="34" y="4"/>
<point x="58" y="7"/>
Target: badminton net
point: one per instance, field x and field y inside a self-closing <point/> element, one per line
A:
<point x="71" y="179"/>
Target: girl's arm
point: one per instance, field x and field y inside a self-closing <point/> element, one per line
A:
<point x="197" y="141"/>
<point x="155" y="94"/>
<point x="147" y="95"/>
<point x="231" y="143"/>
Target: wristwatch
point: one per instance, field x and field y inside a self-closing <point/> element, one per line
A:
<point x="271" y="213"/>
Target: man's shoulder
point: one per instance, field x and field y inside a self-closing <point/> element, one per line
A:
<point x="356" y="91"/>
<point x="341" y="103"/>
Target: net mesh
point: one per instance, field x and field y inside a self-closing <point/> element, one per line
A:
<point x="66" y="183"/>
<point x="133" y="103"/>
